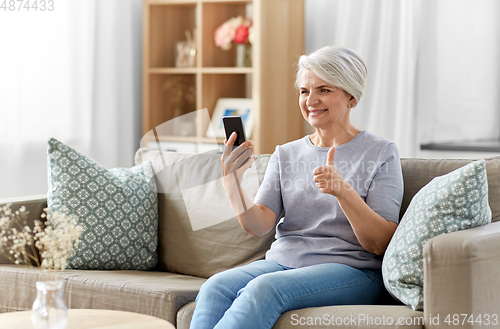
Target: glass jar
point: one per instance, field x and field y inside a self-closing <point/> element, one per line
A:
<point x="244" y="55"/>
<point x="49" y="309"/>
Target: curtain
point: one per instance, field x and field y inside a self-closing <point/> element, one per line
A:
<point x="459" y="71"/>
<point x="74" y="74"/>
<point x="433" y="69"/>
<point x="385" y="34"/>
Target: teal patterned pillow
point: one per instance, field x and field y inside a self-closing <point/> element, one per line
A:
<point x="117" y="208"/>
<point x="452" y="202"/>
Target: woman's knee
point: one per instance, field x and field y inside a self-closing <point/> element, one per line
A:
<point x="265" y="288"/>
<point x="214" y="284"/>
<point x="226" y="283"/>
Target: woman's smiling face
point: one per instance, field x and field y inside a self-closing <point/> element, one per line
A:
<point x="323" y="105"/>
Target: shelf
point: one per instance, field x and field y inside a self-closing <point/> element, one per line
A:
<point x="215" y="86"/>
<point x="188" y="2"/>
<point x="214" y="15"/>
<point x="173" y="70"/>
<point x="203" y="140"/>
<point x="172" y="95"/>
<point x="203" y="70"/>
<point x="170" y="2"/>
<point x="492" y="145"/>
<point x="166" y="29"/>
<point x="178" y="139"/>
<point x="207" y="140"/>
<point x="227" y="70"/>
<point x="225" y="1"/>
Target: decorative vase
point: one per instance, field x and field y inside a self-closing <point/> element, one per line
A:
<point x="244" y="55"/>
<point x="49" y="309"/>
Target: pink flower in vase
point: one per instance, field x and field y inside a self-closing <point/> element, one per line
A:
<point x="241" y="35"/>
<point x="235" y="30"/>
<point x="224" y="36"/>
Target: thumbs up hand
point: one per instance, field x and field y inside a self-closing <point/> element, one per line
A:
<point x="327" y="177"/>
<point x="330" y="157"/>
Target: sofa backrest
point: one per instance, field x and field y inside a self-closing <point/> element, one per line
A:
<point x="196" y="245"/>
<point x="418" y="172"/>
<point x="198" y="231"/>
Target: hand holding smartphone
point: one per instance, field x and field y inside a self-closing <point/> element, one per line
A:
<point x="232" y="159"/>
<point x="234" y="124"/>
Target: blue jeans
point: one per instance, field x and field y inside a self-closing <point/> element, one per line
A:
<point x="255" y="295"/>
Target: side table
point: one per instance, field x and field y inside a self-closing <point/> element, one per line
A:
<point x="91" y="319"/>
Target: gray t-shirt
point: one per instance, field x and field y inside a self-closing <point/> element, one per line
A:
<point x="314" y="229"/>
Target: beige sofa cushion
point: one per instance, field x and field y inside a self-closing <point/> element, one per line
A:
<point x="347" y="316"/>
<point x="418" y="172"/>
<point x="198" y="232"/>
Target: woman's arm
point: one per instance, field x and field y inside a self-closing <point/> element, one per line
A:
<point x="256" y="219"/>
<point x="372" y="231"/>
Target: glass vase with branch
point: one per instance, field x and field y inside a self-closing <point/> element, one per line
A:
<point x="48" y="246"/>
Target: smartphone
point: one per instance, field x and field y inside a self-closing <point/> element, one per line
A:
<point x="234" y="123"/>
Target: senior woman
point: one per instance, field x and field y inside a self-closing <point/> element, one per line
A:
<point x="340" y="190"/>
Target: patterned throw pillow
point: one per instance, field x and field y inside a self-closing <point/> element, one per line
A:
<point x="117" y="208"/>
<point x="452" y="202"/>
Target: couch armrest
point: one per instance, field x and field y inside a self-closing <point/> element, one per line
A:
<point x="34" y="205"/>
<point x="461" y="272"/>
<point x="24" y="200"/>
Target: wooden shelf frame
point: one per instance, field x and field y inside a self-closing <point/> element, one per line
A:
<point x="279" y="26"/>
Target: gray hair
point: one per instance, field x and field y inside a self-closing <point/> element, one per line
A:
<point x="340" y="67"/>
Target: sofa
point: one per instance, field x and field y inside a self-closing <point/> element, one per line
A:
<point x="199" y="236"/>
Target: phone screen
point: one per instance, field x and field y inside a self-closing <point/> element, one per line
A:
<point x="234" y="123"/>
